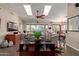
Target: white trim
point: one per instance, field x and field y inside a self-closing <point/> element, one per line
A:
<point x="73" y="47"/>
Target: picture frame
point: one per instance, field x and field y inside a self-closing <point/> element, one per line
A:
<point x="73" y="24"/>
<point x="12" y="26"/>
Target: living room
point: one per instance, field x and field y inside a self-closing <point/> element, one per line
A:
<point x="16" y="22"/>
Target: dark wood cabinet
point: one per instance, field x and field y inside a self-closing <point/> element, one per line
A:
<point x="13" y="37"/>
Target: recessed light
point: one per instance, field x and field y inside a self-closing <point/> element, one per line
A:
<point x="28" y="9"/>
<point x="47" y="9"/>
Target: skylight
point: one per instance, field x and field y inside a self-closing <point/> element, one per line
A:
<point x="47" y="9"/>
<point x="28" y="9"/>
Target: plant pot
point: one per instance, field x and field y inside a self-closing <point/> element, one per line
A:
<point x="37" y="41"/>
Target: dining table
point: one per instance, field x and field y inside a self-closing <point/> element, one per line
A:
<point x="30" y="45"/>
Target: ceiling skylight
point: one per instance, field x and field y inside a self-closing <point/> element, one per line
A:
<point x="28" y="9"/>
<point x="47" y="9"/>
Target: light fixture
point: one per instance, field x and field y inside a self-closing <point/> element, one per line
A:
<point x="39" y="16"/>
<point x="47" y="8"/>
<point x="28" y="9"/>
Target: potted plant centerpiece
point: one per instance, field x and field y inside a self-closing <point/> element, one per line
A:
<point x="37" y="36"/>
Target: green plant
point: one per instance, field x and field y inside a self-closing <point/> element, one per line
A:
<point x="37" y="35"/>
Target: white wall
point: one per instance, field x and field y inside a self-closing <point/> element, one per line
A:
<point x="7" y="15"/>
<point x="72" y="39"/>
<point x="71" y="51"/>
<point x="20" y="26"/>
<point x="72" y="10"/>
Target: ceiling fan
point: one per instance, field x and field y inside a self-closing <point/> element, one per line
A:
<point x="39" y="16"/>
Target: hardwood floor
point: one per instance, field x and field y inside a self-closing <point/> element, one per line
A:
<point x="37" y="53"/>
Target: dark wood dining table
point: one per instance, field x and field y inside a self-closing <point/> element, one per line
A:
<point x="33" y="49"/>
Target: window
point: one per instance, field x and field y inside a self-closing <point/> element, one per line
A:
<point x="35" y="27"/>
<point x="42" y="27"/>
<point x="55" y="28"/>
<point x="27" y="27"/>
<point x="46" y="27"/>
<point x="63" y="27"/>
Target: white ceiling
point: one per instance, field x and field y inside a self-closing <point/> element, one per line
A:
<point x="57" y="12"/>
